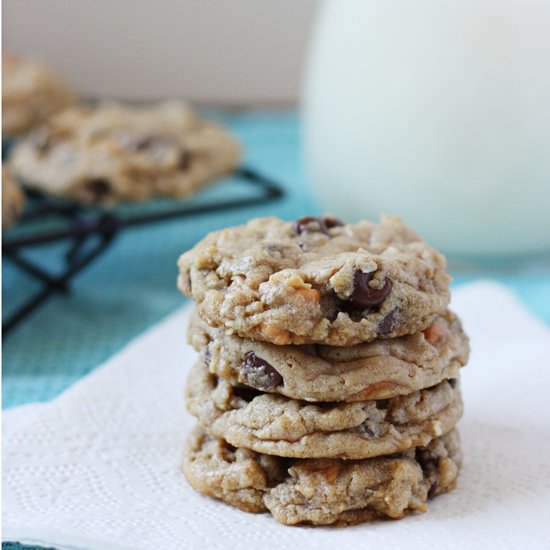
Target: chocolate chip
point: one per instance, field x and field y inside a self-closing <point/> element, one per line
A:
<point x="386" y="325"/>
<point x="145" y="143"/>
<point x="452" y="382"/>
<point x="433" y="489"/>
<point x="363" y="296"/>
<point x="153" y="145"/>
<point x="98" y="189"/>
<point x="308" y="224"/>
<point x="259" y="373"/>
<point x="42" y="140"/>
<point x="184" y="160"/>
<point x="427" y="459"/>
<point x="368" y="431"/>
<point x="331" y="222"/>
<point x="312" y="224"/>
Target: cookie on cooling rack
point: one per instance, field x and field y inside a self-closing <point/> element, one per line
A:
<point x="112" y="152"/>
<point x="30" y="94"/>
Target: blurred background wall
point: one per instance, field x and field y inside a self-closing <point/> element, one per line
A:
<point x="231" y="52"/>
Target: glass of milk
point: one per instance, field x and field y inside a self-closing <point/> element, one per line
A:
<point x="438" y="111"/>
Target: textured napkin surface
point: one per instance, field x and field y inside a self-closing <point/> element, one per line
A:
<point x="98" y="467"/>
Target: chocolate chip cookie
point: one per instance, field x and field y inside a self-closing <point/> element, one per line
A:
<point x="322" y="491"/>
<point x="316" y="280"/>
<point x="13" y="199"/>
<point x="374" y="370"/>
<point x="274" y="424"/>
<point x="30" y="94"/>
<point x="112" y="152"/>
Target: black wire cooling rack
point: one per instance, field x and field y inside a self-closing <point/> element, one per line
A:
<point x="89" y="232"/>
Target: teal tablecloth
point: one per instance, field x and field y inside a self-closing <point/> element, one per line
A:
<point x="133" y="285"/>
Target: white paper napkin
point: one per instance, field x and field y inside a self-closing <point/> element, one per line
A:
<point x="98" y="467"/>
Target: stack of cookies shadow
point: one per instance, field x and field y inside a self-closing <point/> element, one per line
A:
<point x="327" y="386"/>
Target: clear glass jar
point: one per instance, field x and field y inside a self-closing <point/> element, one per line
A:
<point x="438" y="111"/>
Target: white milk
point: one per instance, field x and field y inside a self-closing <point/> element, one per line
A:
<point x="436" y="110"/>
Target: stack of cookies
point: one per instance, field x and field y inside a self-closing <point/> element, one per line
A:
<point x="327" y="388"/>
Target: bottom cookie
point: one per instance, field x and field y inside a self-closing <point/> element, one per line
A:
<point x="322" y="491"/>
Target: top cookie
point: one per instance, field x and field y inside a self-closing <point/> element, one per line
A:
<point x="316" y="280"/>
<point x="113" y="152"/>
<point x="30" y="94"/>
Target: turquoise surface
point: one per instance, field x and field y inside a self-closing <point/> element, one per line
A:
<point x="132" y="286"/>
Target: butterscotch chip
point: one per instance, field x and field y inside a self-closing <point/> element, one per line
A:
<point x="273" y="424"/>
<point x="309" y="294"/>
<point x="113" y="152"/>
<point x="435" y="332"/>
<point x="316" y="281"/>
<point x="274" y="333"/>
<point x="322" y="491"/>
<point x="375" y="370"/>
